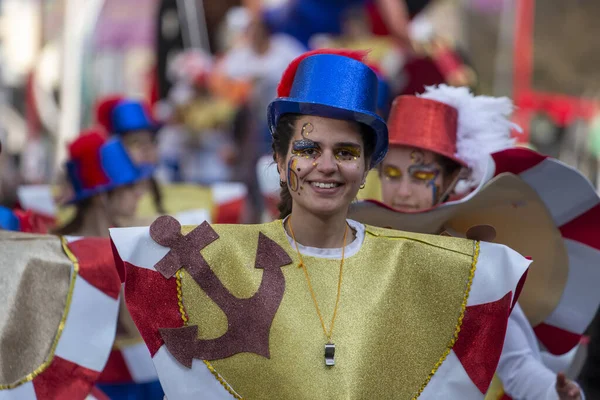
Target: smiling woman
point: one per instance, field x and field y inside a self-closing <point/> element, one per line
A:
<point x="319" y="159"/>
<point x="324" y="151"/>
<point x="333" y="309"/>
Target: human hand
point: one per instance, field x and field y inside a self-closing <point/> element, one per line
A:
<point x="566" y="388"/>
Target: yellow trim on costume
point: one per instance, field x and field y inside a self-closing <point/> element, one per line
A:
<point x="180" y="298"/>
<point x="184" y="317"/>
<point x="61" y="325"/>
<point x="460" y="320"/>
<point x="222" y="381"/>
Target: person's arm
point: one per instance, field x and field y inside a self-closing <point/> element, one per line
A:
<point x="395" y="15"/>
<point x="521" y="370"/>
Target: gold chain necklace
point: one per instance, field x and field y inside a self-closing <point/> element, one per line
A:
<point x="329" y="347"/>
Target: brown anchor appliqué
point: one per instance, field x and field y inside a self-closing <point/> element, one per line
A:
<point x="249" y="320"/>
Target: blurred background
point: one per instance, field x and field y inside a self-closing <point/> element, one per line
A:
<point x="195" y="78"/>
<point x="207" y="69"/>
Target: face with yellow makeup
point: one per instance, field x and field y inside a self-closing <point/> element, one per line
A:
<point x="415" y="180"/>
<point x="325" y="164"/>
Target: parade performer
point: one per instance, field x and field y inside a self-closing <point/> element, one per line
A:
<point x="317" y="305"/>
<point x="18" y="217"/>
<point x="304" y="18"/>
<point x="433" y="59"/>
<point x="8" y="220"/>
<point x="193" y="140"/>
<point x="130" y="121"/>
<point x="107" y="187"/>
<point x="60" y="301"/>
<point x="22" y="221"/>
<point x="446" y="156"/>
<point x="448" y="144"/>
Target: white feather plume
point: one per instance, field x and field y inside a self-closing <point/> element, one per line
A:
<point x="484" y="127"/>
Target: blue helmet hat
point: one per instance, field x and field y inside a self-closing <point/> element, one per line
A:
<point x="128" y="116"/>
<point x="9" y="220"/>
<point x="384" y="98"/>
<point x="334" y="86"/>
<point x="97" y="166"/>
<point x="119" y="115"/>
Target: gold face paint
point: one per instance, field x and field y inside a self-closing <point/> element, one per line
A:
<point x="308" y="149"/>
<point x="391" y="172"/>
<point x="424" y="175"/>
<point x="347" y="153"/>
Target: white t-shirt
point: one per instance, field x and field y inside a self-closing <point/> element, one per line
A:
<point x="333" y="253"/>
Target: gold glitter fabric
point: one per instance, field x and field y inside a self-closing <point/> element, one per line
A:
<point x="34" y="288"/>
<point x="401" y="302"/>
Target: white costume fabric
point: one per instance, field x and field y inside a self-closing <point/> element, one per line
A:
<point x="521" y="368"/>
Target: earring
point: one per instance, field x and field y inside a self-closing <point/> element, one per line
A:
<point x="362" y="186"/>
<point x="281" y="183"/>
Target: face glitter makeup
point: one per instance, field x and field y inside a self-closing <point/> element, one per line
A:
<point x="305" y="148"/>
<point x="425" y="173"/>
<point x="292" y="176"/>
<point x="307" y="128"/>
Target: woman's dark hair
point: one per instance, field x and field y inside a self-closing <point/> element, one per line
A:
<point x="449" y="166"/>
<point x="284" y="131"/>
<point x="76" y="223"/>
<point x="157" y="197"/>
